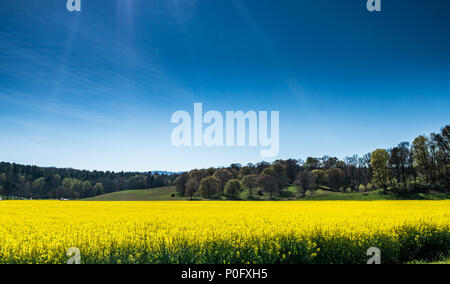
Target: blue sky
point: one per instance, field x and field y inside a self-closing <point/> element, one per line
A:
<point x="96" y="89"/>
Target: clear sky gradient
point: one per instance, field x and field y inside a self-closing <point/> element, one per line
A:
<point x="96" y="89"/>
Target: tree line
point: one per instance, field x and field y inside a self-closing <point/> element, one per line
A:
<point x="19" y="181"/>
<point x="420" y="166"/>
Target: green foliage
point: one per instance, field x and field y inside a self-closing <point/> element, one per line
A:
<point x="245" y="171"/>
<point x="192" y="187"/>
<point x="335" y="177"/>
<point x="180" y="183"/>
<point x="280" y="174"/>
<point x="233" y="188"/>
<point x="19" y="181"/>
<point x="138" y="182"/>
<point x="198" y="175"/>
<point x="269" y="184"/>
<point x="269" y="171"/>
<point x="98" y="188"/>
<point x="379" y="162"/>
<point x="209" y="186"/>
<point x="250" y="182"/>
<point x="223" y="175"/>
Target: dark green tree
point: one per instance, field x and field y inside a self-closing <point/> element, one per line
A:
<point x="233" y="188"/>
<point x="223" y="175"/>
<point x="191" y="188"/>
<point x="251" y="183"/>
<point x="269" y="184"/>
<point x="209" y="186"/>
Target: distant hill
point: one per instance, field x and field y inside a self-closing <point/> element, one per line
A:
<point x="165" y="194"/>
<point x="154" y="194"/>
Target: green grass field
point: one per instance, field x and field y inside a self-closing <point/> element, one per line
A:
<point x="165" y="194"/>
<point x="376" y="195"/>
<point x="154" y="194"/>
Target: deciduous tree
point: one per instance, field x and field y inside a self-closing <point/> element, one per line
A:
<point x="233" y="188"/>
<point x="251" y="183"/>
<point x="379" y="162"/>
<point x="180" y="184"/>
<point x="269" y="184"/>
<point x="335" y="178"/>
<point x="209" y="186"/>
<point x="191" y="188"/>
<point x="224" y="176"/>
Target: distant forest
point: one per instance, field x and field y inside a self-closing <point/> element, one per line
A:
<point x="18" y="181"/>
<point x="420" y="166"/>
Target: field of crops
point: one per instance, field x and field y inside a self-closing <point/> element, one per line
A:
<point x="223" y="232"/>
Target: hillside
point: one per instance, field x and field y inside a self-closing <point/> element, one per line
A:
<point x="165" y="194"/>
<point x="154" y="194"/>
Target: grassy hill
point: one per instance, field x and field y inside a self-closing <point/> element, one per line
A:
<point x="375" y="195"/>
<point x="165" y="194"/>
<point x="154" y="194"/>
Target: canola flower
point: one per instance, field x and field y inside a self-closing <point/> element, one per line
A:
<point x="223" y="231"/>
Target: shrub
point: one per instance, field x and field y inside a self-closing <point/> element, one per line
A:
<point x="362" y="188"/>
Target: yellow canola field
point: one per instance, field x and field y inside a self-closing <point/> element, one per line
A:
<point x="222" y="231"/>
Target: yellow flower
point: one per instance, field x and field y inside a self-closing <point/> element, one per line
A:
<point x="202" y="232"/>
